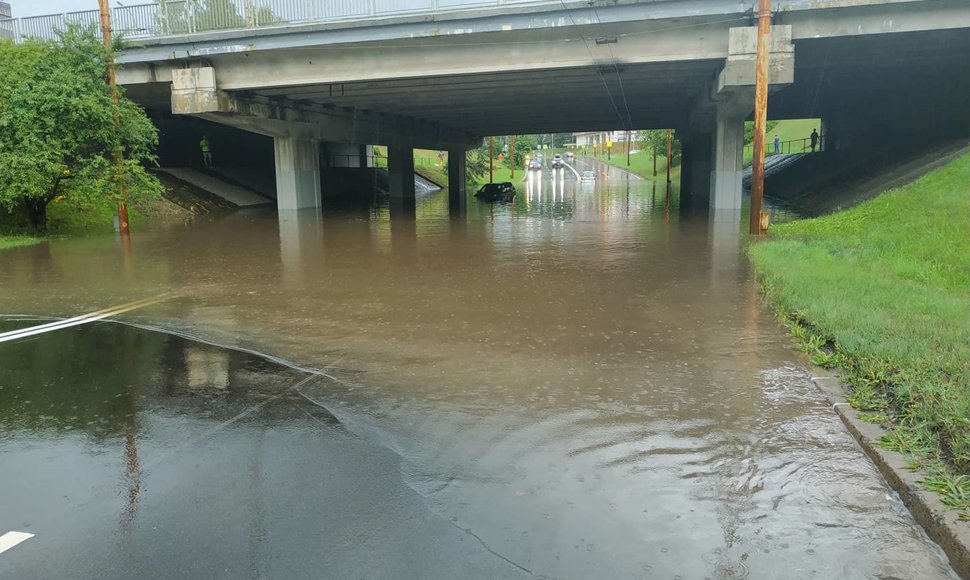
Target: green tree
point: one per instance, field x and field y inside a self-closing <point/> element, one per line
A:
<point x="749" y="130"/>
<point x="58" y="130"/>
<point x="180" y="17"/>
<point x="653" y="140"/>
<point x="524" y="145"/>
<point x="476" y="163"/>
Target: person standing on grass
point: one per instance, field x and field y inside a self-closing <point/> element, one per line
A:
<point x="206" y="152"/>
<point x="814" y="140"/>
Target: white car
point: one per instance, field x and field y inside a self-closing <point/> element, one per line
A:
<point x="588" y="176"/>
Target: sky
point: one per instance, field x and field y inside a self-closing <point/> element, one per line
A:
<point x="38" y="7"/>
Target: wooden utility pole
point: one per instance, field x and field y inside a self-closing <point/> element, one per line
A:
<point x="654" y="139"/>
<point x="118" y="154"/>
<point x="760" y="117"/>
<point x="513" y="161"/>
<point x="669" y="147"/>
<point x="491" y="159"/>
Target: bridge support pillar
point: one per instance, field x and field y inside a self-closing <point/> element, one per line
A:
<point x="695" y="176"/>
<point x="457" y="175"/>
<point x="297" y="173"/>
<point x="366" y="155"/>
<point x="400" y="172"/>
<point x="728" y="163"/>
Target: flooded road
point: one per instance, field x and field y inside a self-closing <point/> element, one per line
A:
<point x="581" y="384"/>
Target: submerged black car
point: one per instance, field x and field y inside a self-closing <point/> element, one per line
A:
<point x="492" y="192"/>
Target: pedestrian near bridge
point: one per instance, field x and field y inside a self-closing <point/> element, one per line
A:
<point x="206" y="152"/>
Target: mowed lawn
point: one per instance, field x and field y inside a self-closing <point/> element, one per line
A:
<point x="887" y="283"/>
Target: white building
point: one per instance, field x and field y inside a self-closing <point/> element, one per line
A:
<point x="6" y="28"/>
<point x="595" y="138"/>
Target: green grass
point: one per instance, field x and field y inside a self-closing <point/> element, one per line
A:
<point x="887" y="284"/>
<point x="433" y="173"/>
<point x="64" y="217"/>
<point x="503" y="173"/>
<point x="15" y="241"/>
<point x="787" y="130"/>
<point x="641" y="163"/>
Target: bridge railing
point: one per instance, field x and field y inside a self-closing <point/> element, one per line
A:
<point x="790" y="147"/>
<point x="178" y="17"/>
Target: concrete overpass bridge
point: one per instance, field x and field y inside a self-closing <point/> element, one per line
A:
<point x="442" y="74"/>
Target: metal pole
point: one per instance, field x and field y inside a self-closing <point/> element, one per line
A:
<point x="106" y="37"/>
<point x="760" y="116"/>
<point x="491" y="158"/>
<point x="627" y="148"/>
<point x="513" y="162"/>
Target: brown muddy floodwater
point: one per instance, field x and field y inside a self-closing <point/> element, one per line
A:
<point x="583" y="383"/>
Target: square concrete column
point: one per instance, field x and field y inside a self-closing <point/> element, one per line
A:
<point x="457" y="175"/>
<point x="695" y="171"/>
<point x="297" y="173"/>
<point x="366" y="155"/>
<point x="400" y="170"/>
<point x="728" y="163"/>
<point x="700" y="167"/>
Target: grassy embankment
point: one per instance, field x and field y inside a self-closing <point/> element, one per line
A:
<point x="12" y="241"/>
<point x="882" y="291"/>
<point x="67" y="218"/>
<point x="789" y="130"/>
<point x="641" y="162"/>
<point x="427" y="165"/>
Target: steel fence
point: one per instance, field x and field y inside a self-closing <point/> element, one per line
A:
<point x="179" y="17"/>
<point x="791" y="147"/>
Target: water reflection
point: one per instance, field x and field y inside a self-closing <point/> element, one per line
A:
<point x="581" y="382"/>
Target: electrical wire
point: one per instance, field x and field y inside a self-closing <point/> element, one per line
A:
<point x="619" y="77"/>
<point x="598" y="71"/>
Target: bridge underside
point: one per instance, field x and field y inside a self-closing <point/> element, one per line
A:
<point x="911" y="71"/>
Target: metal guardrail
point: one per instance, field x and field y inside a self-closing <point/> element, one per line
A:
<point x="353" y="161"/>
<point x="791" y="146"/>
<point x="178" y="17"/>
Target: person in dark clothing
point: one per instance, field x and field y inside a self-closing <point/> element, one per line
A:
<point x="814" y="140"/>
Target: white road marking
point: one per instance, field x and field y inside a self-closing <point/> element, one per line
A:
<point x="79" y="320"/>
<point x="576" y="173"/>
<point x="11" y="539"/>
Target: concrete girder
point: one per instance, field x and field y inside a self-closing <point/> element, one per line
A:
<point x="449" y="55"/>
<point x="502" y="80"/>
<point x="461" y="99"/>
<point x="506" y="20"/>
<point x="195" y="92"/>
<point x="827" y="20"/>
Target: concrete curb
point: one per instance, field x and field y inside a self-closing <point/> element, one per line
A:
<point x="939" y="522"/>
